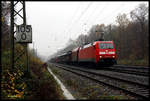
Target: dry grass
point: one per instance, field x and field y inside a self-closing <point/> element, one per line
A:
<point x="48" y="87"/>
<point x="143" y="62"/>
<point x="37" y="84"/>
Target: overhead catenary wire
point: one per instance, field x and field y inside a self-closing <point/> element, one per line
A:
<point x="113" y="21"/>
<point x="101" y="11"/>
<point x="72" y="18"/>
<point x="69" y="23"/>
<point x="86" y="19"/>
<point x="91" y="13"/>
<point x="121" y="10"/>
<point x="108" y="16"/>
<point x="122" y="5"/>
<point x="95" y="8"/>
<point x="83" y="12"/>
<point x="78" y="19"/>
<point x="68" y="26"/>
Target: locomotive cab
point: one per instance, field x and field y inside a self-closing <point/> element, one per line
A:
<point x="106" y="52"/>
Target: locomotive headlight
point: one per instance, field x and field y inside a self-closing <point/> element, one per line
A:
<point x="101" y="52"/>
<point x="111" y="52"/>
<point x="100" y="56"/>
<point x="113" y="56"/>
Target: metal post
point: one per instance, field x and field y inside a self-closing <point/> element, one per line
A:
<point x="110" y="32"/>
<point x="36" y="52"/>
<point x="12" y="34"/>
<point x="24" y="13"/>
<point x="33" y="52"/>
<point x="23" y="16"/>
<point x="26" y="45"/>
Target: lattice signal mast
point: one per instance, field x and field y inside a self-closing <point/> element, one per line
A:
<point x="23" y="32"/>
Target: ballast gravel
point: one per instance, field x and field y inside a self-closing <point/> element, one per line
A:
<point x="83" y="88"/>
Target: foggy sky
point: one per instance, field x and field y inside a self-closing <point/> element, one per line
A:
<point x="54" y="23"/>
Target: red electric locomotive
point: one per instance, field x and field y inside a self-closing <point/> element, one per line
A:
<point x="98" y="52"/>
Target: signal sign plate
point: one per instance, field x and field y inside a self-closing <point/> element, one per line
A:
<point x="24" y="34"/>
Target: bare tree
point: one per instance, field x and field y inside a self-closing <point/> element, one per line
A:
<point x="5" y="18"/>
<point x="123" y="22"/>
<point x="140" y="15"/>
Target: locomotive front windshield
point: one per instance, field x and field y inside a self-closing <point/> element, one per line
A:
<point x="106" y="46"/>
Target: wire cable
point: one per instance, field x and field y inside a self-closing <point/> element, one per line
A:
<point x="109" y="14"/>
<point x="78" y="19"/>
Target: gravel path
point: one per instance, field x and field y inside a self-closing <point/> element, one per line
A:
<point x="83" y="88"/>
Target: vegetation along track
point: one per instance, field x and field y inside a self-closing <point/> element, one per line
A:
<point x="129" y="87"/>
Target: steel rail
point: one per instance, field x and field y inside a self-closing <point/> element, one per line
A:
<point x="115" y="78"/>
<point x="128" y="71"/>
<point x="132" y="67"/>
<point x="107" y="84"/>
<point x="122" y="70"/>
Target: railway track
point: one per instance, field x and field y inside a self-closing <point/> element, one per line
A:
<point x="133" y="88"/>
<point x="132" y="67"/>
<point x="142" y="71"/>
<point x="128" y="70"/>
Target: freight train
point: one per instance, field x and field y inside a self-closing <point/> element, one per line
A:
<point x="95" y="53"/>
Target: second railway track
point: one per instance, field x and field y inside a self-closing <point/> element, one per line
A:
<point x="124" y="69"/>
<point x="130" y="70"/>
<point x="129" y="87"/>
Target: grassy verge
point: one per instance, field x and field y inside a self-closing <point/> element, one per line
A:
<point x="36" y="84"/>
<point x="47" y="86"/>
<point x="142" y="62"/>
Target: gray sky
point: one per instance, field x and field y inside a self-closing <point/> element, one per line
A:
<point x="54" y="23"/>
